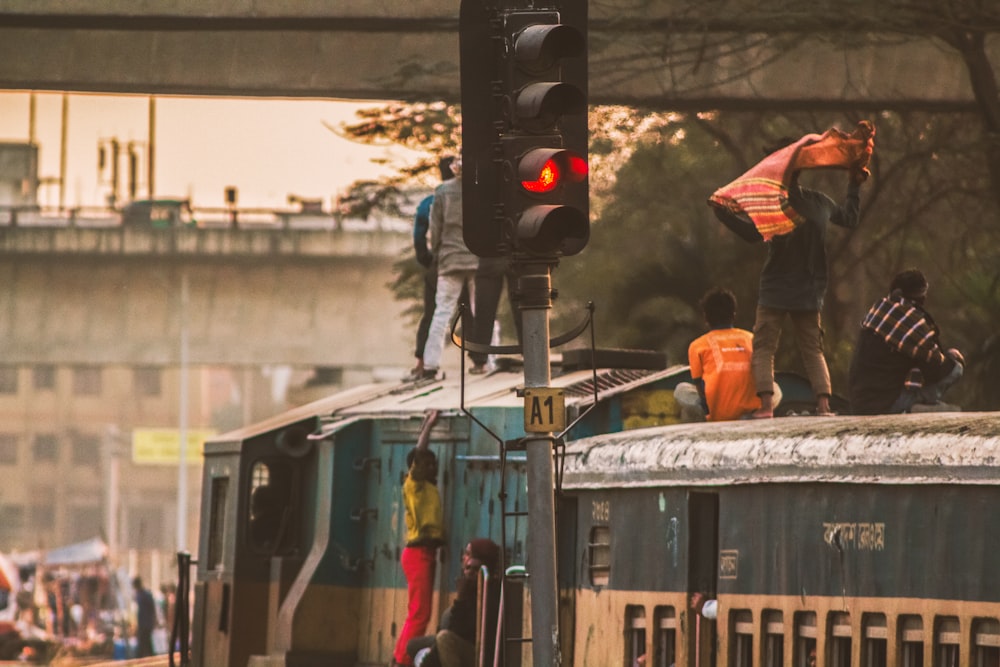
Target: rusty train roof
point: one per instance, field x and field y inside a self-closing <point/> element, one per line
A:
<point x="943" y="448"/>
<point x="500" y="389"/>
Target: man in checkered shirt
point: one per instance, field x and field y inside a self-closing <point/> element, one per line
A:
<point x="899" y="365"/>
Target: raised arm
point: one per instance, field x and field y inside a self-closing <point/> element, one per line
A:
<point x="424" y="439"/>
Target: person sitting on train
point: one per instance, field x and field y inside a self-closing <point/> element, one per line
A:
<point x="454" y="645"/>
<point x="424" y="534"/>
<point x="899" y="364"/>
<point x="722" y="387"/>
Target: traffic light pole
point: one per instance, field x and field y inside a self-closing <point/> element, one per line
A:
<point x="536" y="295"/>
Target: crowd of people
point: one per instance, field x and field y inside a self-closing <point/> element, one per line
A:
<point x="83" y="612"/>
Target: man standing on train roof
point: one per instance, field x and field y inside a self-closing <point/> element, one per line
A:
<point x="722" y="386"/>
<point x="899" y="365"/>
<point x="767" y="203"/>
<point x="426" y="259"/>
<point x="456" y="265"/>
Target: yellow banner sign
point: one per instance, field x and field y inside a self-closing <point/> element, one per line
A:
<point x="162" y="445"/>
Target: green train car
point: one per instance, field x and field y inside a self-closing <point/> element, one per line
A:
<point x="830" y="541"/>
<point x="842" y="540"/>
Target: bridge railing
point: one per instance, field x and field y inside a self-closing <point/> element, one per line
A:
<point x="202" y="218"/>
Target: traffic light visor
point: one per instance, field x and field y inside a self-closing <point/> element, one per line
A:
<point x="539" y="47"/>
<point x="544" y="229"/>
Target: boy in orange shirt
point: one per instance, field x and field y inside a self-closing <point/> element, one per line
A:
<point x="723" y="388"/>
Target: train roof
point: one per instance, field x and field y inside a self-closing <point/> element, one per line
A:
<point x="932" y="448"/>
<point x="500" y="389"/>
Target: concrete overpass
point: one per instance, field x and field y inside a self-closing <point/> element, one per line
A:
<point x="667" y="53"/>
<point x="254" y="297"/>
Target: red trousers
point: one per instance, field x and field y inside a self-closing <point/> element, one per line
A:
<point x="418" y="564"/>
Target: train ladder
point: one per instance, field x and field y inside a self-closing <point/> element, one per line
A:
<point x="510" y="623"/>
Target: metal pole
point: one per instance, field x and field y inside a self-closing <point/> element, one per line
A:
<point x="151" y="149"/>
<point x="182" y="419"/>
<point x="535" y="288"/>
<point x="63" y="141"/>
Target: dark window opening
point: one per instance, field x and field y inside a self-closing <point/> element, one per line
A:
<point x="874" y="640"/>
<point x="839" y="640"/>
<point x="217" y="522"/>
<point x="947" y="638"/>
<point x="805" y="638"/>
<point x="665" y="639"/>
<point x="741" y="630"/>
<point x="599" y="549"/>
<point x="911" y="639"/>
<point x="986" y="642"/>
<point x="774" y="639"/>
<point x="635" y="634"/>
<point x="273" y="506"/>
<point x="44" y="376"/>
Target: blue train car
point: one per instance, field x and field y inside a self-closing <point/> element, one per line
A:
<point x="302" y="520"/>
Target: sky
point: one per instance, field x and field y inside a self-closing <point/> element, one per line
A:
<point x="267" y="148"/>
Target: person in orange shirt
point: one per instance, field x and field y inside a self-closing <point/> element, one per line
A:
<point x="723" y="388"/>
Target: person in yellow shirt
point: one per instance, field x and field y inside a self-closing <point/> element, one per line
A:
<point x="424" y="534"/>
<point x="722" y="386"/>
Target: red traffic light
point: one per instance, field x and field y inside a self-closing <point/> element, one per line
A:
<point x="543" y="169"/>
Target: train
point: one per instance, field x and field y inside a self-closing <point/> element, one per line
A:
<point x="827" y="541"/>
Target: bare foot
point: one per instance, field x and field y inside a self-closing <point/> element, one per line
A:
<point x="762" y="414"/>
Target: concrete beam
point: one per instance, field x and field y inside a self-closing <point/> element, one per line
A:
<point x="362" y="49"/>
<point x="126" y="311"/>
<point x="202" y="244"/>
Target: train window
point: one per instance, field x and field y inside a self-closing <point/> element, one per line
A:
<point x="986" y="642"/>
<point x="741" y="630"/>
<point x="874" y="640"/>
<point x="911" y="639"/>
<point x="946" y="640"/>
<point x="600" y="555"/>
<point x="839" y="639"/>
<point x="271" y="506"/>
<point x="217" y="521"/>
<point x="774" y="639"/>
<point x="635" y="634"/>
<point x="805" y="638"/>
<point x="665" y="639"/>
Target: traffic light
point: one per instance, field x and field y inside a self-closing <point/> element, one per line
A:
<point x="524" y="129"/>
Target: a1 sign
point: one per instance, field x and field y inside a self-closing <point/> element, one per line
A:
<point x="544" y="410"/>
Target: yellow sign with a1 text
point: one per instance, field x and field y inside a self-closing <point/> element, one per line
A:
<point x="544" y="410"/>
<point x="161" y="445"/>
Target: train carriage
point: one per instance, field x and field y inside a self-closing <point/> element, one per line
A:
<point x="302" y="520"/>
<point x="862" y="541"/>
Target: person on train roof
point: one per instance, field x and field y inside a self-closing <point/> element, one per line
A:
<point x="899" y="364"/>
<point x="794" y="279"/>
<point x="722" y="386"/>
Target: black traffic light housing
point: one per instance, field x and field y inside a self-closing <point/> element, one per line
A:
<point x="524" y="129"/>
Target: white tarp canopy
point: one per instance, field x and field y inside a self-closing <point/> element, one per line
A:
<point x="87" y="552"/>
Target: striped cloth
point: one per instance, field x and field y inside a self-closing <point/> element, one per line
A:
<point x="906" y="328"/>
<point x="762" y="192"/>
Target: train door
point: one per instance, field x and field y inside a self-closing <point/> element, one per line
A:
<point x="703" y="550"/>
<point x="213" y="588"/>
